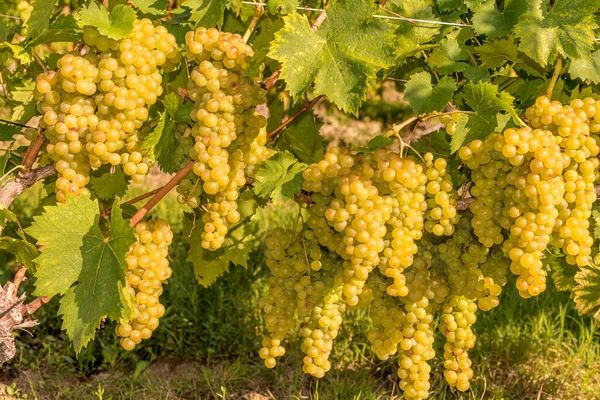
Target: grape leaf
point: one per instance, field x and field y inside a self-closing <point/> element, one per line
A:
<point x="161" y="144"/>
<point x="477" y="74"/>
<point x="302" y="138"/>
<point x="180" y="112"/>
<point x="496" y="53"/>
<point x="116" y="26"/>
<point x="435" y="142"/>
<point x="448" y="5"/>
<point x="8" y="131"/>
<point x="109" y="185"/>
<point x="563" y="274"/>
<point x="23" y="251"/>
<point x="340" y="55"/>
<point x="63" y="29"/>
<point x="488" y="105"/>
<point x="586" y="68"/>
<point x="473" y="4"/>
<point x="448" y="57"/>
<point x="376" y="143"/>
<point x="208" y="13"/>
<point x="82" y="263"/>
<point x="411" y="38"/>
<point x="261" y="44"/>
<point x="567" y="28"/>
<point x="423" y="97"/>
<point x="153" y="7"/>
<point x="19" y="52"/>
<point x="282" y="6"/>
<point x="586" y="292"/>
<point x="279" y="178"/>
<point x="210" y="265"/>
<point x="488" y="20"/>
<point x="39" y="18"/>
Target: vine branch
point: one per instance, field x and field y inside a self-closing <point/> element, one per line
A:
<point x="260" y="10"/>
<point x="33" y="150"/>
<point x="162" y="192"/>
<point x="291" y="119"/>
<point x="23" y="181"/>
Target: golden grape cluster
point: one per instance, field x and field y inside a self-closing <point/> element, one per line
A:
<point x="382" y="231"/>
<point x="94" y="105"/>
<point x="535" y="185"/>
<point x="229" y="136"/>
<point x="147" y="270"/>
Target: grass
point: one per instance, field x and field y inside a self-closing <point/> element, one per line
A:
<point x="207" y="344"/>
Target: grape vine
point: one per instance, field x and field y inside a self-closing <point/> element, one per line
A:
<point x="492" y="171"/>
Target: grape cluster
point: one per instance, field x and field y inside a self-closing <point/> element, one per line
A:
<point x="95" y="105"/>
<point x="577" y="127"/>
<point x="526" y="165"/>
<point x="456" y="320"/>
<point x="147" y="270"/>
<point x="302" y="283"/>
<point x="229" y="136"/>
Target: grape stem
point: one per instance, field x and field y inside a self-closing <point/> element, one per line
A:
<point x="142" y="197"/>
<point x="397" y="128"/>
<point x="162" y="192"/>
<point x="260" y="10"/>
<point x="288" y="121"/>
<point x="555" y="76"/>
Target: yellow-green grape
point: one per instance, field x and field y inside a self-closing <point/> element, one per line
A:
<point x="147" y="270"/>
<point x="229" y="135"/>
<point x="456" y="320"/>
<point x="441" y="213"/>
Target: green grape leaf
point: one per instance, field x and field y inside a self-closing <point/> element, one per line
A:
<point x="153" y="7"/>
<point x="376" y="143"/>
<point x="302" y="138"/>
<point x="23" y="251"/>
<point x="487" y="105"/>
<point x="596" y="221"/>
<point x="261" y="44"/>
<point x="116" y="25"/>
<point x="586" y="292"/>
<point x="161" y="144"/>
<point x="279" y="178"/>
<point x="28" y="104"/>
<point x="581" y="92"/>
<point x="473" y="4"/>
<point x="436" y="142"/>
<point x="586" y="68"/>
<point x="412" y="38"/>
<point x="108" y="185"/>
<point x="477" y="74"/>
<point x="566" y="29"/>
<point x="3" y="162"/>
<point x="180" y="112"/>
<point x="7" y="132"/>
<point x="448" y="57"/>
<point x="488" y="20"/>
<point x="210" y="265"/>
<point x="496" y="53"/>
<point x="208" y="13"/>
<point x="423" y="97"/>
<point x="63" y="29"/>
<point x="19" y="52"/>
<point x="563" y="274"/>
<point x="39" y="18"/>
<point x="282" y="6"/>
<point x="79" y="261"/>
<point x="449" y="5"/>
<point x="340" y="55"/>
